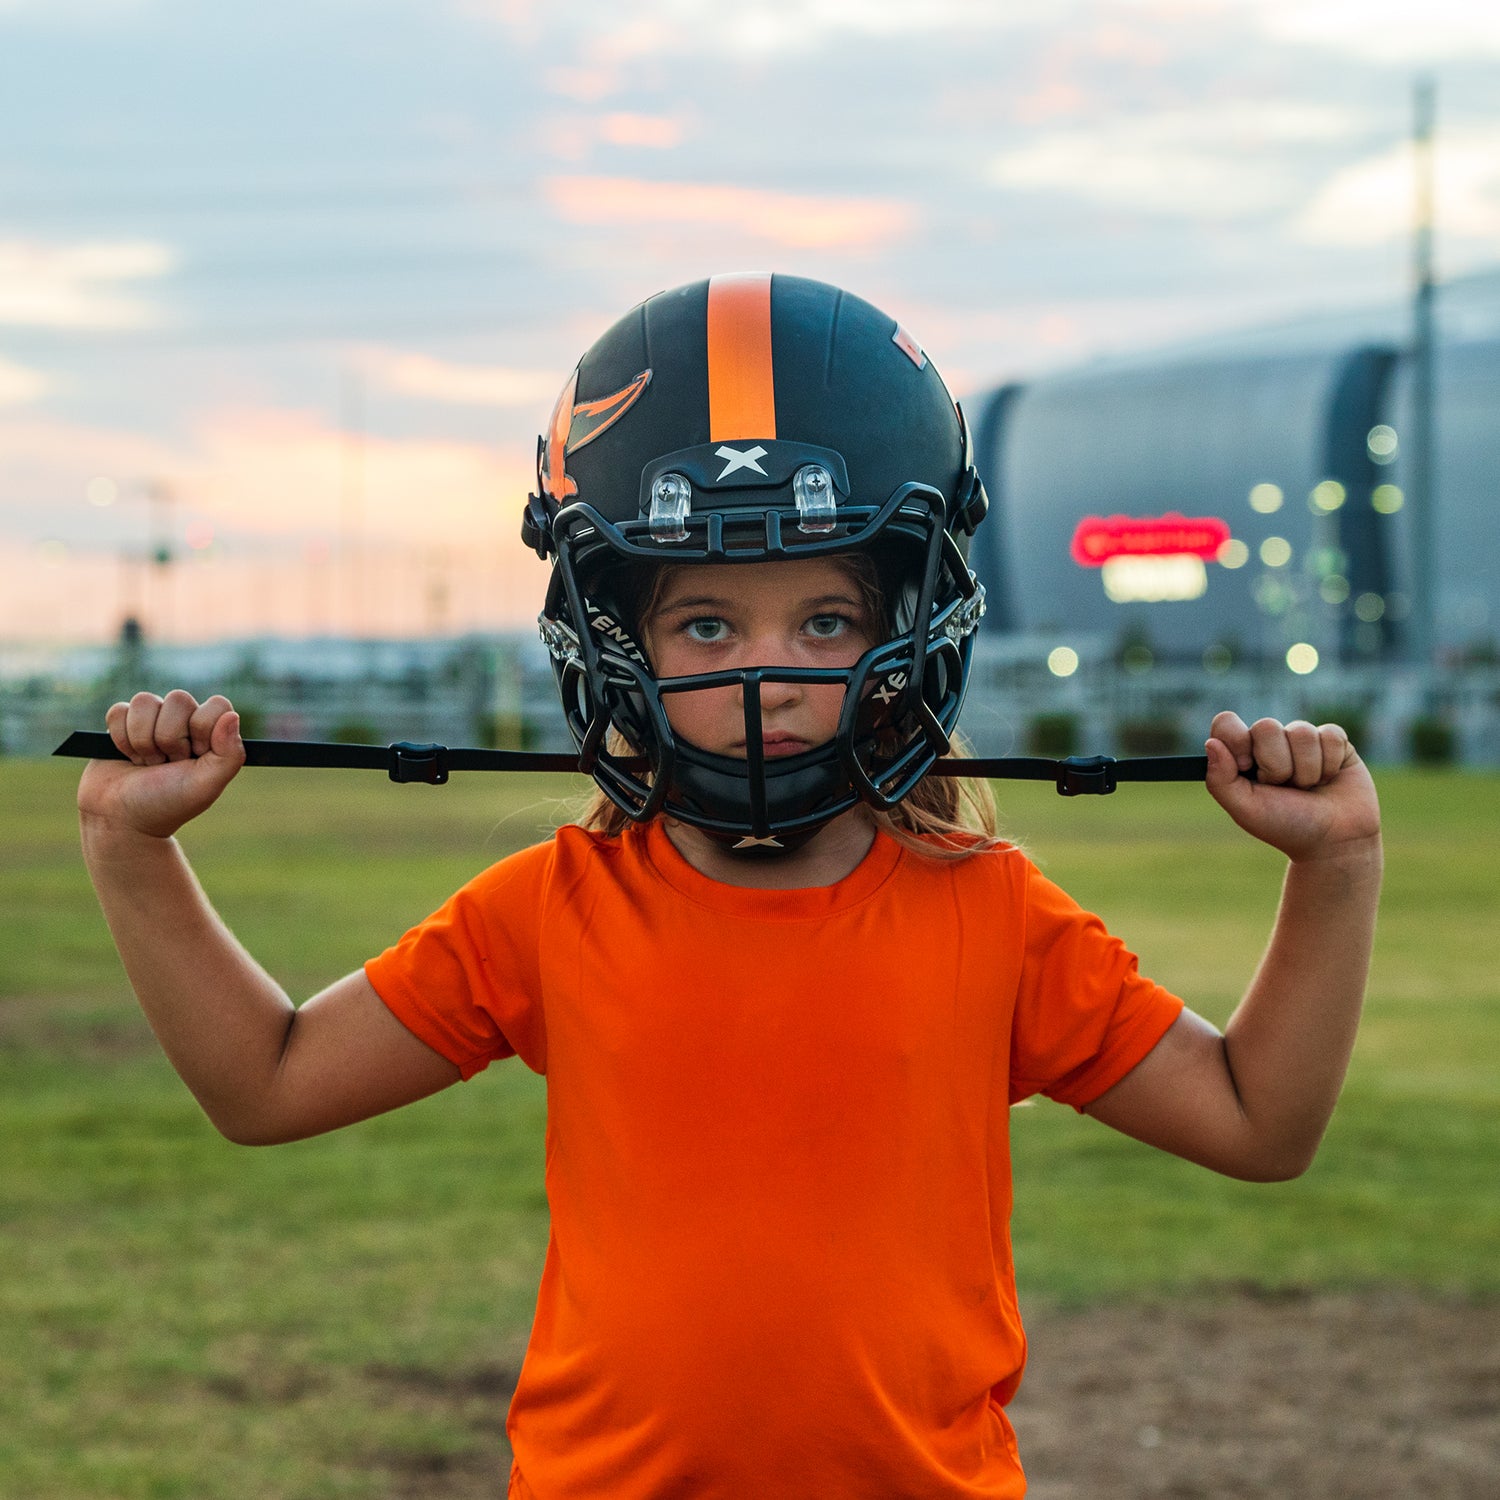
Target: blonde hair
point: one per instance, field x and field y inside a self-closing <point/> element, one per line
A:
<point x="946" y="817"/>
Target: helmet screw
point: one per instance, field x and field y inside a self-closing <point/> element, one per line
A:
<point x="812" y="485"/>
<point x="671" y="495"/>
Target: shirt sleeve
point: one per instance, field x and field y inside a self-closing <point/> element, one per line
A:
<point x="1084" y="1015"/>
<point x="467" y="979"/>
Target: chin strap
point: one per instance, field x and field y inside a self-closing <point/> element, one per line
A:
<point x="1074" y="776"/>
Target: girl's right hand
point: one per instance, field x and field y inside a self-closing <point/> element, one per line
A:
<point x="182" y="754"/>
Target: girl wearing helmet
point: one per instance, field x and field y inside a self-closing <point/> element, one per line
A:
<point x="783" y="986"/>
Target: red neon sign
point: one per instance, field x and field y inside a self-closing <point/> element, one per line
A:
<point x="1100" y="538"/>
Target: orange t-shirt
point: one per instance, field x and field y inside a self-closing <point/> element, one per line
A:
<point x="777" y="1153"/>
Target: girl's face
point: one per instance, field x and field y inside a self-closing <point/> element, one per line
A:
<point x="715" y="617"/>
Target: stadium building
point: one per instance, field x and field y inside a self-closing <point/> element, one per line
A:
<point x="1234" y="499"/>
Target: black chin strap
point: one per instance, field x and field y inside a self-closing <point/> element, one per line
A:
<point x="1077" y="775"/>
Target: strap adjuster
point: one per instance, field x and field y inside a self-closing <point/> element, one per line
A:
<point x="1086" y="776"/>
<point x="413" y="762"/>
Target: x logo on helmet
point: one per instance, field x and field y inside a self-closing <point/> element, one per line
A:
<point x="737" y="458"/>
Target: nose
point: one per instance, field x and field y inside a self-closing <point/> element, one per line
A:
<point x="774" y="695"/>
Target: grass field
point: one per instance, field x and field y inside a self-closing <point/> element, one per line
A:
<point x="342" y="1317"/>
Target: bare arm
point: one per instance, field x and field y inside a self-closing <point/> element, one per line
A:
<point x="262" y="1069"/>
<point x="1255" y="1101"/>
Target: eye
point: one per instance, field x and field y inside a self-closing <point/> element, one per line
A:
<point x="828" y="627"/>
<point x="705" y="628"/>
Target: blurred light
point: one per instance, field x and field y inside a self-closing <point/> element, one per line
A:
<point x="1154" y="580"/>
<point x="1369" y="607"/>
<point x="1327" y="560"/>
<point x="1302" y="658"/>
<point x="1276" y="552"/>
<point x="1273" y="596"/>
<point x="1062" y="661"/>
<point x="1266" y="498"/>
<point x="1233" y="554"/>
<point x="1328" y="496"/>
<point x="1381" y="444"/>
<point x="102" y="491"/>
<point x="1387" y="498"/>
<point x="1218" y="658"/>
<point x="1334" y="589"/>
<point x="199" y="535"/>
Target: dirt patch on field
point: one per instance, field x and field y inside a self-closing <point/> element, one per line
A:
<point x="1246" y="1397"/>
<point x="1318" y="1397"/>
<point x="83" y="1029"/>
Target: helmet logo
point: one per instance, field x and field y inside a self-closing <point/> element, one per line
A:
<point x="611" y="629"/>
<point x="736" y="459"/>
<point x="754" y="843"/>
<point x="892" y="685"/>
<point x="909" y="347"/>
<point x="575" y="426"/>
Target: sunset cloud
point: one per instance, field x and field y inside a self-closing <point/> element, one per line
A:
<point x="78" y="286"/>
<point x="277" y="519"/>
<point x="19" y="385"/>
<point x="438" y="380"/>
<point x="284" y="470"/>
<point x="794" y="220"/>
<point x="654" y="132"/>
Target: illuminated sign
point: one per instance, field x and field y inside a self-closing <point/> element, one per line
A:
<point x="1154" y="580"/>
<point x="1100" y="539"/>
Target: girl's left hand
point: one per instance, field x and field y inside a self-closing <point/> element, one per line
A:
<point x="1313" y="798"/>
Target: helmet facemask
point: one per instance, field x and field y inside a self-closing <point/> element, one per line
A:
<point x="900" y="698"/>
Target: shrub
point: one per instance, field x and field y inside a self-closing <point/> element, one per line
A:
<point x="1432" y="742"/>
<point x="355" y="732"/>
<point x="1354" y="717"/>
<point x="1160" y="735"/>
<point x="1054" y="735"/>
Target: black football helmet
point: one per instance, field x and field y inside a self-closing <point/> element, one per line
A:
<point x="742" y="419"/>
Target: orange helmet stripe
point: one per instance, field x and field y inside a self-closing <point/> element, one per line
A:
<point x="741" y="388"/>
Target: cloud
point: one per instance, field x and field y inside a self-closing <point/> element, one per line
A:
<point x="77" y="286"/>
<point x="45" y="463"/>
<point x="794" y="220"/>
<point x="770" y="25"/>
<point x="311" y="530"/>
<point x="1221" y="162"/>
<point x="19" y="385"/>
<point x="274" y="470"/>
<point x="1386" y="31"/>
<point x="654" y="132"/>
<point x="441" y="381"/>
<point x="1370" y="202"/>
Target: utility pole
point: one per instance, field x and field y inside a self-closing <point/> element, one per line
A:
<point x="1421" y="489"/>
<point x="161" y="555"/>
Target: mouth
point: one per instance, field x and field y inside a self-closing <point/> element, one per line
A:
<point x="775" y="746"/>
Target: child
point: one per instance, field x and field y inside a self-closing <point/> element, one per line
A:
<point x="784" y="985"/>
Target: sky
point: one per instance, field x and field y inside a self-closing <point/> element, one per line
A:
<point x="288" y="289"/>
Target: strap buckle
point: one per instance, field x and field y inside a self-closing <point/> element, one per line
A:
<point x="413" y="762"/>
<point x="1086" y="776"/>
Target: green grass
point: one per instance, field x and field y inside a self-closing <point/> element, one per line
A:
<point x="180" y="1317"/>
